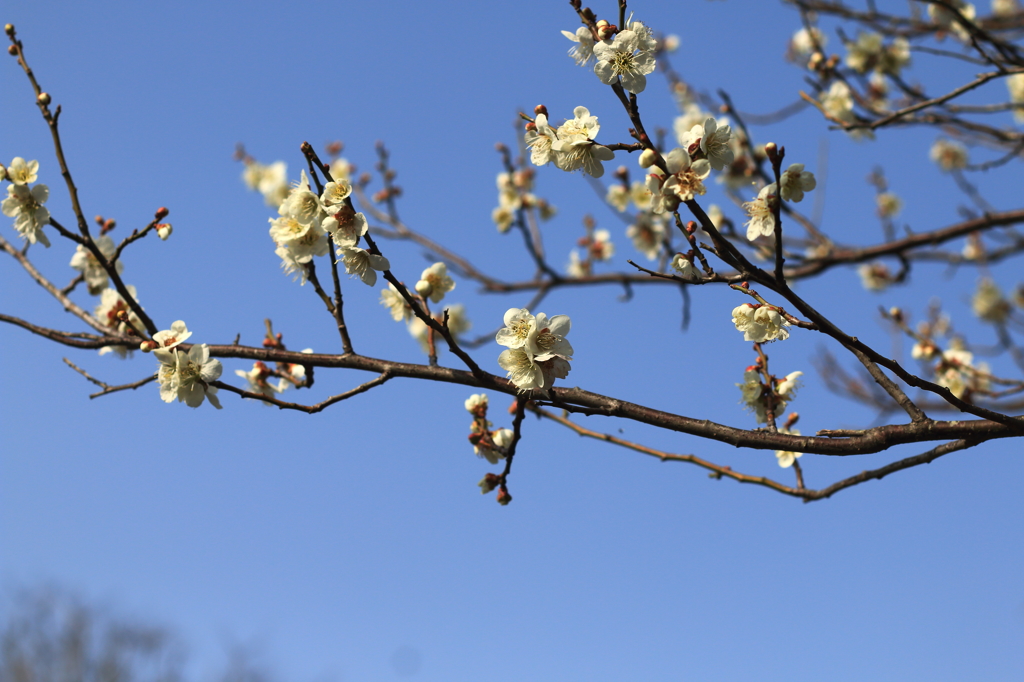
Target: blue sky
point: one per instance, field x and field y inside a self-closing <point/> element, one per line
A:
<point x="331" y="542"/>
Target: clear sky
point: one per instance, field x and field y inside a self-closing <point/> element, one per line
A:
<point x="340" y="543"/>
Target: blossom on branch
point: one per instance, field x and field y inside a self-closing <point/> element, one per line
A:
<point x="787" y="458"/>
<point x="175" y="336"/>
<point x="760" y="323"/>
<point x="186" y="376"/>
<point x="363" y="264"/>
<point x="397" y="305"/>
<point x="795" y="181"/>
<point x="761" y="222"/>
<point x="83" y="260"/>
<point x="257" y="378"/>
<point x="624" y="58"/>
<point x="435" y="283"/>
<point x="949" y="155"/>
<point x="583" y="51"/>
<point x="26" y="207"/>
<point x="21" y="172"/>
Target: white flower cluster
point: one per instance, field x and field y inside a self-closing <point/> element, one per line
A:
<point x="85" y="262"/>
<point x="109" y="312"/>
<point x="571" y="146"/>
<point x="536" y="350"/>
<point x="760" y="323"/>
<point x="868" y="53"/>
<point x="1015" y="84"/>
<point x="949" y="155"/>
<point x="487" y="444"/>
<point x="623" y="56"/>
<point x="24" y="203"/>
<point x="837" y="102"/>
<point x="947" y="17"/>
<point x="988" y="302"/>
<point x="185" y="376"/>
<point x="514" y="193"/>
<point x="755" y="396"/>
<point x="433" y="284"/>
<point x="306" y="219"/>
<point x="956" y="371"/>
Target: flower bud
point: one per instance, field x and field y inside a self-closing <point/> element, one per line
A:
<point x="503" y="497"/>
<point x="9" y="29"/>
<point x="896" y="314"/>
<point x="647" y="158"/>
<point x="489" y="483"/>
<point x="122" y="315"/>
<point x="12" y="50"/>
<point x="163" y="230"/>
<point x="147" y="346"/>
<point x="43" y="98"/>
<point x="540" y="109"/>
<point x="161" y="213"/>
<point x="424" y="288"/>
<point x="607" y="31"/>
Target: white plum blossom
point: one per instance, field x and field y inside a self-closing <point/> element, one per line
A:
<point x="684" y="265"/>
<point x="583" y="51"/>
<point x="574" y="147"/>
<point x="302" y="241"/>
<point x="685" y="180"/>
<point x="345" y="226"/>
<point x="257" y="379"/>
<point x="647" y="235"/>
<point x="271" y="181"/>
<point x="83" y="260"/>
<point x="761" y="222"/>
<point x="889" y="204"/>
<point x="787" y="387"/>
<point x="577" y="267"/>
<point x="435" y="283"/>
<point x="334" y="195"/>
<point x="683" y="125"/>
<point x="539" y="139"/>
<point x="1015" y="84"/>
<point x="795" y="181"/>
<point x="397" y="305"/>
<point x="752" y="395"/>
<point x="503" y="218"/>
<point x="537" y="351"/>
<point x="949" y="155"/>
<point x="954" y="370"/>
<point x="363" y="264"/>
<point x="21" y="172"/>
<point x="294" y="374"/>
<point x="988" y="302"/>
<point x="868" y="53"/>
<point x="784" y="457"/>
<point x="623" y="58"/>
<point x="175" y="336"/>
<point x="502" y="438"/>
<point x="760" y="323"/>
<point x="476" y="402"/>
<point x="838" y="103"/>
<point x="163" y="230"/>
<point x="618" y="196"/>
<point x="186" y="376"/>
<point x="875" y="276"/>
<point x="803" y="41"/>
<point x="107" y="312"/>
<point x="947" y="18"/>
<point x="25" y="205"/>
<point x="1004" y="8"/>
<point x="714" y="142"/>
